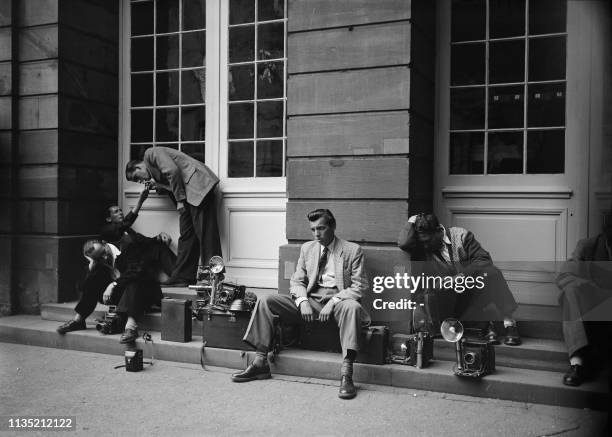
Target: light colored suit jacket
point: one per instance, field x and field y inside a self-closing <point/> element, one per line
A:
<point x="186" y="178"/>
<point x="351" y="278"/>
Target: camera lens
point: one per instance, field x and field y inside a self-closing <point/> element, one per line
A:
<point x="469" y="358"/>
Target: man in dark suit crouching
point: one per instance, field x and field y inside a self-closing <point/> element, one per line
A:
<point x="328" y="283"/>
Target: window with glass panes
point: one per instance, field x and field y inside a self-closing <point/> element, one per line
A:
<point x="167" y="76"/>
<point x="508" y="88"/>
<point x="256" y="100"/>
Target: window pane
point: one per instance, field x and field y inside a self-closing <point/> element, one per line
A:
<point x="167" y="87"/>
<point x="194" y="49"/>
<point x="194" y="14"/>
<point x="142" y="125"/>
<point x="547" y="16"/>
<point x="142" y="54"/>
<point x="142" y="89"/>
<point x="241" y="84"/>
<point x="468" y="20"/>
<point x="137" y="151"/>
<point x="166" y="124"/>
<point x="546" y="151"/>
<point x="467" y="153"/>
<point x="547" y="58"/>
<point x="193" y="86"/>
<point x="195" y="150"/>
<point x="193" y="123"/>
<point x="269" y="158"/>
<point x="270" y="80"/>
<point x="167" y="52"/>
<point x="506" y="107"/>
<point x="270" y="10"/>
<point x="467" y="108"/>
<point x="507" y="18"/>
<point x="240" y="120"/>
<point x="271" y="41"/>
<point x="241" y="43"/>
<point x="507" y="61"/>
<point x="142" y="18"/>
<point x="242" y="11"/>
<point x="167" y="16"/>
<point x="505" y="153"/>
<point x="468" y="64"/>
<point x="240" y="159"/>
<point x="269" y="119"/>
<point x="546" y="105"/>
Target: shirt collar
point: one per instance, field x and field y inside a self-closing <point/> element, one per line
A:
<point x="331" y="246"/>
<point x="445" y="238"/>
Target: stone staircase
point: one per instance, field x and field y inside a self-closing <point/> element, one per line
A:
<point x="531" y="372"/>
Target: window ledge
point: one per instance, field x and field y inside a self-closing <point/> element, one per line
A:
<point x="533" y="192"/>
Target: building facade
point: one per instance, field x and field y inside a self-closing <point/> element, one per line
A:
<point x="495" y="114"/>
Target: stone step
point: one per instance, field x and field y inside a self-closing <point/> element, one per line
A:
<point x="509" y="383"/>
<point x="538" y="354"/>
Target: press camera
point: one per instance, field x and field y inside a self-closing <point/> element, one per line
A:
<point x="475" y="358"/>
<point x="415" y="350"/>
<point x="111" y="323"/>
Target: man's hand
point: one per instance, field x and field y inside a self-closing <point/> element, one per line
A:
<point x="164" y="238"/>
<point x="108" y="292"/>
<point x="327" y="311"/>
<point x="144" y="194"/>
<point x="306" y="311"/>
<point x="151" y="185"/>
<point x="180" y="206"/>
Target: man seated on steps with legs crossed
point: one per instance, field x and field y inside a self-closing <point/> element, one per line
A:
<point x="328" y="283"/>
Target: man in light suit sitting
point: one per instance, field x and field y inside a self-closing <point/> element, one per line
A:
<point x="328" y="283"/>
<point x="191" y="186"/>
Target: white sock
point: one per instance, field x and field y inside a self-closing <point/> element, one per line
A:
<point x="131" y="324"/>
<point x="508" y="322"/>
<point x="576" y="360"/>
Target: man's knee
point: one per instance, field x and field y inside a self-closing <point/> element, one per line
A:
<point x="349" y="308"/>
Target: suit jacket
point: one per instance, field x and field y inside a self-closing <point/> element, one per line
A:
<point x="351" y="278"/>
<point x="187" y="179"/>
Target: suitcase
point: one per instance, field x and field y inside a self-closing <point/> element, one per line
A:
<point x="325" y="337"/>
<point x="320" y="336"/>
<point x="225" y="329"/>
<point x="176" y="320"/>
<point x="374" y="345"/>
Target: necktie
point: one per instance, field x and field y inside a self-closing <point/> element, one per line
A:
<point x="322" y="262"/>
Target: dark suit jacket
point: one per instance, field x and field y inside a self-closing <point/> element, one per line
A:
<point x="187" y="179"/>
<point x="351" y="279"/>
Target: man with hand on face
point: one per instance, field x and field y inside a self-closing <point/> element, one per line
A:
<point x="328" y="284"/>
<point x="191" y="186"/>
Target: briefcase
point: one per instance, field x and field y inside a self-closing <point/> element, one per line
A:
<point x="320" y="336"/>
<point x="225" y="329"/>
<point x="374" y="345"/>
<point x="176" y="320"/>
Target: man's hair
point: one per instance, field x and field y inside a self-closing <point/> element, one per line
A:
<point x="130" y="167"/>
<point x="426" y="224"/>
<point x="315" y="215"/>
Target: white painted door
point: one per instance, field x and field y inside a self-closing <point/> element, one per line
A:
<point x="208" y="78"/>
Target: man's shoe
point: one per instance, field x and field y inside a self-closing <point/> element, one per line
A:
<point x="71" y="325"/>
<point x="129" y="336"/>
<point x="576" y="374"/>
<point x="491" y="335"/>
<point x="512" y="336"/>
<point x="347" y="388"/>
<point x="251" y="373"/>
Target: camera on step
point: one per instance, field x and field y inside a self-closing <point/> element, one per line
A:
<point x="112" y="322"/>
<point x="475" y="358"/>
<point x="414" y="349"/>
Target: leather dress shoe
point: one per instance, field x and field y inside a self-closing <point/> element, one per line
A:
<point x="251" y="373"/>
<point x="512" y="336"/>
<point x="71" y="325"/>
<point x="575" y="375"/>
<point x="491" y="335"/>
<point x="347" y="388"/>
<point x="128" y="336"/>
